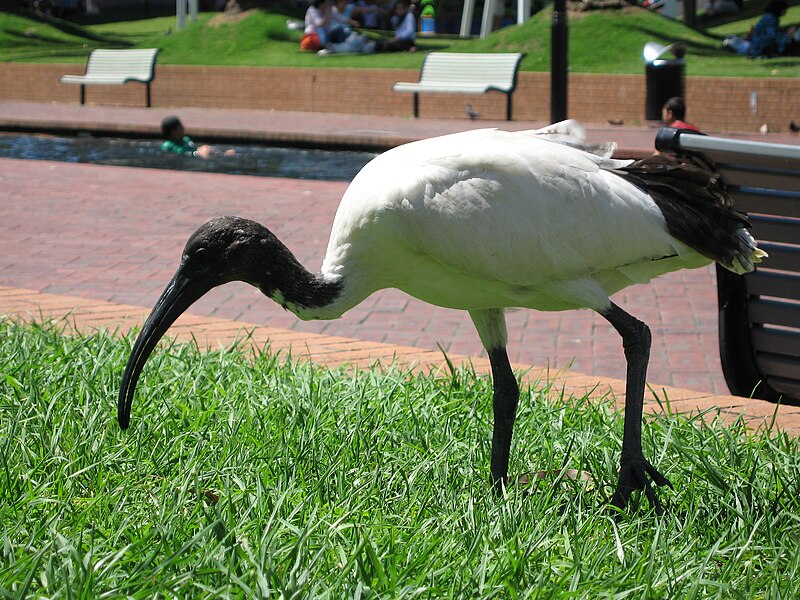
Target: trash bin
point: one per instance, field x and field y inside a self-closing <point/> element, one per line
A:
<point x="664" y="76"/>
<point x="427" y="22"/>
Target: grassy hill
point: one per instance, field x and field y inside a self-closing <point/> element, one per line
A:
<point x="609" y="41"/>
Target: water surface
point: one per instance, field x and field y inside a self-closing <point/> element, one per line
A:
<point x="264" y="161"/>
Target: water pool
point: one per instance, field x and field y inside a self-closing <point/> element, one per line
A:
<point x="264" y="161"/>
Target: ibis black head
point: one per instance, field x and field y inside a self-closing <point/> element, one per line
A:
<point x="222" y="250"/>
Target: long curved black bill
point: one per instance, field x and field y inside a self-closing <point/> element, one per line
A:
<point x="179" y="295"/>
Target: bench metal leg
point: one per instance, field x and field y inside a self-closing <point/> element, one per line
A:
<point x="148" y="94"/>
<point x="508" y="107"/>
<point x="416" y="105"/>
<point x="83" y="94"/>
<point x="742" y="373"/>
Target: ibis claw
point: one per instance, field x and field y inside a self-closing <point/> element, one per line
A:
<point x="633" y="475"/>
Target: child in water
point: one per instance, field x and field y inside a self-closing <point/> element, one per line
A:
<point x="177" y="142"/>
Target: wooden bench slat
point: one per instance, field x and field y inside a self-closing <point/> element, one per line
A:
<point x="778" y="341"/>
<point x="778" y="366"/>
<point x="774" y="312"/>
<point x="767" y="202"/>
<point x="776" y="179"/>
<point x="777" y="285"/>
<point x="787" y="388"/>
<point x="781" y="256"/>
<point x="445" y="88"/>
<point x="99" y="79"/>
<point x="775" y="229"/>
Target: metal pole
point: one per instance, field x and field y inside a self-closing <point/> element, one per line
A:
<point x="523" y="11"/>
<point x="690" y="13"/>
<point x="558" y="63"/>
<point x="466" y="18"/>
<point x="487" y="17"/>
<point x="180" y="13"/>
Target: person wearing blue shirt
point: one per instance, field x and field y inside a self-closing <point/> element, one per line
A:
<point x="767" y="38"/>
<point x="405" y="30"/>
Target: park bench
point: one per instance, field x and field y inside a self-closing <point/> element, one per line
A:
<point x="461" y="73"/>
<point x="759" y="313"/>
<point x="115" y="67"/>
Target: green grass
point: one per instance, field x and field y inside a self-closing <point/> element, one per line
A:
<point x="600" y="42"/>
<point x="250" y="477"/>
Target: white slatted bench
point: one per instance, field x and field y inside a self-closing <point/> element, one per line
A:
<point x="115" y="67"/>
<point x="462" y="73"/>
<point x="759" y="313"/>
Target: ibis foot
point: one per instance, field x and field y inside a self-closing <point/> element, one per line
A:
<point x="633" y="475"/>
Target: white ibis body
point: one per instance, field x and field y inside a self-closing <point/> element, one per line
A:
<point x="484" y="221"/>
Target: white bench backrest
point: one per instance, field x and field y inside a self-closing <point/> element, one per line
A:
<point x="497" y="70"/>
<point x="134" y="64"/>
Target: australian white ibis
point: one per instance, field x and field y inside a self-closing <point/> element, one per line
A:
<point x="484" y="221"/>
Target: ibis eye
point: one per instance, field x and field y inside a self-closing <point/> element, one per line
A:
<point x="201" y="253"/>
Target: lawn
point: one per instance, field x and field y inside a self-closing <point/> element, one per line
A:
<point x="600" y="42"/>
<point x="251" y="476"/>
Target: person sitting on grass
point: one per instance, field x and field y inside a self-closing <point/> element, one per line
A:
<point x="342" y="38"/>
<point x="177" y="142"/>
<point x="768" y="39"/>
<point x="317" y="23"/>
<point x="342" y="21"/>
<point x="405" y="30"/>
<point x="372" y="14"/>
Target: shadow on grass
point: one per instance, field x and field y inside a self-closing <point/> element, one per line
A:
<point x="693" y="46"/>
<point x="67" y="27"/>
<point x="26" y="38"/>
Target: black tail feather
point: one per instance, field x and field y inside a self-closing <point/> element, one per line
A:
<point x="696" y="206"/>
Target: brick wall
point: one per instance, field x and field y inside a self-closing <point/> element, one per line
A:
<point x="715" y="103"/>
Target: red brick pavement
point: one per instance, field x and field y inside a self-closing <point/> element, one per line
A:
<point x="115" y="234"/>
<point x="84" y="315"/>
<point x="312" y="128"/>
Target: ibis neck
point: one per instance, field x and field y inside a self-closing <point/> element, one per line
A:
<point x="314" y="300"/>
<point x="308" y="295"/>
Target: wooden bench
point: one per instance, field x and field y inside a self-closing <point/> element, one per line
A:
<point x="461" y="73"/>
<point x="115" y="67"/>
<point x="759" y="313"/>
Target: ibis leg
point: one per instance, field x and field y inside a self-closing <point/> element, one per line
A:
<point x="634" y="468"/>
<point x="505" y="399"/>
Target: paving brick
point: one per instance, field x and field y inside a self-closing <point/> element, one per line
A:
<point x="73" y="240"/>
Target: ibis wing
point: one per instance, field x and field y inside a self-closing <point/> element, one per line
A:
<point x="511" y="207"/>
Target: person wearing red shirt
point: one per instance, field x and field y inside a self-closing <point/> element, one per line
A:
<point x="673" y="112"/>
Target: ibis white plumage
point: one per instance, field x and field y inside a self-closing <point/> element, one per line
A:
<point x="485" y="221"/>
